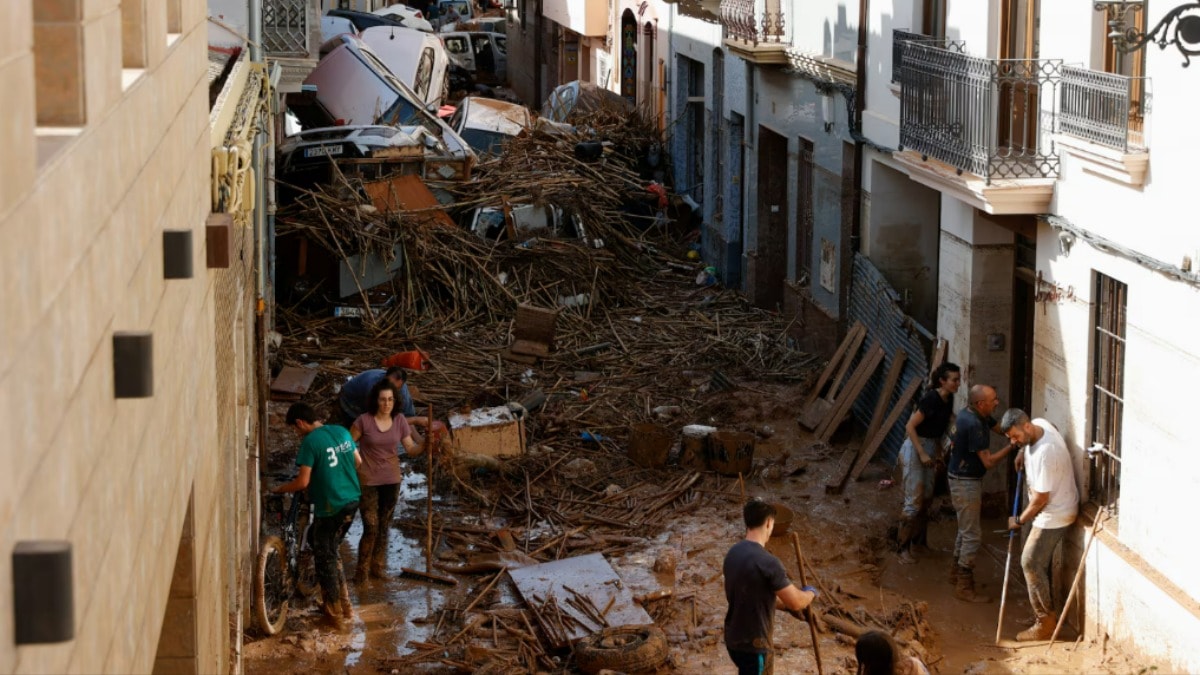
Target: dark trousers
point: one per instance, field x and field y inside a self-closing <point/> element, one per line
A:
<point x="327" y="534"/>
<point x="750" y="663"/>
<point x="377" y="506"/>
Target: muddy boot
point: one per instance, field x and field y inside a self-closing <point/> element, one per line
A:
<point x="920" y="537"/>
<point x="360" y="572"/>
<point x="964" y="588"/>
<point x="344" y="601"/>
<point x="953" y="576"/>
<point x="332" y="611"/>
<point x="904" y="538"/>
<point x="1041" y="629"/>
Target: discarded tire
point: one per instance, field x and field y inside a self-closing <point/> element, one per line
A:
<point x="626" y="649"/>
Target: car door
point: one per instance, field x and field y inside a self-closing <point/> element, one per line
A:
<point x="458" y="47"/>
<point x="500" y="49"/>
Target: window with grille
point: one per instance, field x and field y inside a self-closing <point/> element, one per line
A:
<point x="1108" y="389"/>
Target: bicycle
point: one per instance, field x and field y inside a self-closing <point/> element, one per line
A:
<point x="284" y="568"/>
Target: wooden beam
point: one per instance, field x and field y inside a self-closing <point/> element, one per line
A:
<point x="841" y="407"/>
<point x="834" y="361"/>
<point x="841" y="373"/>
<point x="868" y="450"/>
<point x="885" y="392"/>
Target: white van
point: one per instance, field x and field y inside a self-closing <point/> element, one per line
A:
<point x="484" y="55"/>
<point x="418" y="59"/>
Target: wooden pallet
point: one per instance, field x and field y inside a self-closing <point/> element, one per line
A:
<point x="815" y="405"/>
<point x="841" y="406"/>
<point x="873" y="443"/>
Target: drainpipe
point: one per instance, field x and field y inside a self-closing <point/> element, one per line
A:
<point x="537" y="53"/>
<point x="860" y="102"/>
<point x="261" y="147"/>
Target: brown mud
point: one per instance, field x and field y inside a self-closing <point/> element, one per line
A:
<point x="844" y="541"/>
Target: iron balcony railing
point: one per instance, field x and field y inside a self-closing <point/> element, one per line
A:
<point x="755" y="21"/>
<point x="1104" y="108"/>
<point x="285" y="27"/>
<point x="901" y="37"/>
<point x="990" y="117"/>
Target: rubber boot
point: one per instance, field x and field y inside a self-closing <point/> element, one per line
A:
<point x="1041" y="629"/>
<point x="920" y="536"/>
<point x="904" y="536"/>
<point x="964" y="588"/>
<point x="344" y="601"/>
<point x="379" y="565"/>
<point x="360" y="571"/>
<point x="332" y="611"/>
<point x="953" y="576"/>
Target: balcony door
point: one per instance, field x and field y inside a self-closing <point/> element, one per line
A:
<point x="1018" y="78"/>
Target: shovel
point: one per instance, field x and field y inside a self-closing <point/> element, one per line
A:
<point x="1012" y="534"/>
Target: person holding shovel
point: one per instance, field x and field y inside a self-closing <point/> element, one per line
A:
<point x="1053" y="506"/>
<point x="756" y="584"/>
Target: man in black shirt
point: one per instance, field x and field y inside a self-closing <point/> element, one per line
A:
<point x="924" y="433"/>
<point x="969" y="461"/>
<point x="756" y="584"/>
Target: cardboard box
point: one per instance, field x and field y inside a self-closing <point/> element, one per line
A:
<point x="493" y="432"/>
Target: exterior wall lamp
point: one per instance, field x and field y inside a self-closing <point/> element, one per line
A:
<point x="1179" y="27"/>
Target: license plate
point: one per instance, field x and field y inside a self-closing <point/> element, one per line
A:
<point x="323" y="151"/>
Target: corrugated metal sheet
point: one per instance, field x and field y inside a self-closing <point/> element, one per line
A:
<point x="875" y="303"/>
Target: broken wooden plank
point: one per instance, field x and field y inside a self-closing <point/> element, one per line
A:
<point x="939" y="354"/>
<point x="873" y="443"/>
<point x="292" y="382"/>
<point x="837" y="478"/>
<point x="885" y="391"/>
<point x="834" y="362"/>
<point x="860" y="334"/>
<point x="841" y="406"/>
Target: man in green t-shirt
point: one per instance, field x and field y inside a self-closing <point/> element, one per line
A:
<point x="328" y="461"/>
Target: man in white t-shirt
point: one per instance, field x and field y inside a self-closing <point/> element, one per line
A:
<point x="1053" y="505"/>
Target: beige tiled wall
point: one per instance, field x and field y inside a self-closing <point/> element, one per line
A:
<point x="81" y="258"/>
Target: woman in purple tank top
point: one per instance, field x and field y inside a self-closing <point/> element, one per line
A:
<point x="380" y="433"/>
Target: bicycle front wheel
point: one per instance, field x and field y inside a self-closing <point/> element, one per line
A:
<point x="270" y="587"/>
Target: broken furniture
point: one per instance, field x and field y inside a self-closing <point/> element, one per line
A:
<point x="533" y="334"/>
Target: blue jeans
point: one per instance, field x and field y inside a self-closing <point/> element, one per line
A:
<point x="967" y="497"/>
<point x="916" y="478"/>
<point x="1035" y="563"/>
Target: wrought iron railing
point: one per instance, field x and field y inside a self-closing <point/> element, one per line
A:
<point x="285" y="27"/>
<point x="1103" y="108"/>
<point x="990" y="117"/>
<point x="755" y="21"/>
<point x="901" y="37"/>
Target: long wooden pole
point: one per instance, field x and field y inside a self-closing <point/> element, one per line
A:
<point x="1100" y="515"/>
<point x="808" y="611"/>
<point x="429" y="491"/>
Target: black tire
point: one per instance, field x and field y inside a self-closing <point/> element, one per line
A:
<point x="270" y="583"/>
<point x="627" y="649"/>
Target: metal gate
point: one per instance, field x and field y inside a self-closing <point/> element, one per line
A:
<point x="876" y="304"/>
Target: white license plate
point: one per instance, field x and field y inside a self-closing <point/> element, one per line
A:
<point x="323" y="151"/>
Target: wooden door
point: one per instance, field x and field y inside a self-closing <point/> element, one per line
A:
<point x="1018" y="78"/>
<point x="770" y="264"/>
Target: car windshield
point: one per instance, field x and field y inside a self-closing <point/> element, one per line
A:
<point x="485" y="142"/>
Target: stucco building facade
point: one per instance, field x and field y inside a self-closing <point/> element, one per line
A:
<point x="109" y="144"/>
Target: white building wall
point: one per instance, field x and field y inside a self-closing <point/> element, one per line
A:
<point x="1141" y="587"/>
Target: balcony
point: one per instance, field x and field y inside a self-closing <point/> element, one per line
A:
<point x="1102" y="120"/>
<point x="901" y="37"/>
<point x="980" y="129"/>
<point x="756" y="30"/>
<point x="291" y="35"/>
